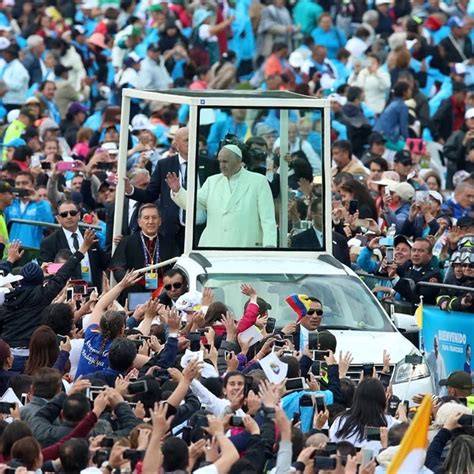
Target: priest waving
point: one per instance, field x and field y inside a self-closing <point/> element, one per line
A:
<point x="238" y="202"/>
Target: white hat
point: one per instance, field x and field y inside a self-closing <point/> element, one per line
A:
<point x="140" y="122"/>
<point x="89" y="4"/>
<point x="190" y="301"/>
<point x="4" y="43"/>
<point x="460" y="69"/>
<point x="111" y="147"/>
<point x="382" y="2"/>
<point x="436" y="196"/>
<point x="13" y="115"/>
<point x="10" y="278"/>
<point x="405" y="190"/>
<point x="385" y="182"/>
<point x="341" y="100"/>
<point x="296" y="59"/>
<point x="469" y="113"/>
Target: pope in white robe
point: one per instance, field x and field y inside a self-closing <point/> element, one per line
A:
<point x="239" y="204"/>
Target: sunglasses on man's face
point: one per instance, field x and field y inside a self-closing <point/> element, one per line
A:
<point x="175" y="286"/>
<point x="311" y="311"/>
<point x="69" y="213"/>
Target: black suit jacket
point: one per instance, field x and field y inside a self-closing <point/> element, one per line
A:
<point x="308" y="240"/>
<point x="129" y="255"/>
<point x="127" y="228"/>
<point x="159" y="190"/>
<point x="98" y="258"/>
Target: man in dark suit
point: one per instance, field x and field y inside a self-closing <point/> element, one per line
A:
<point x="142" y="249"/>
<point x="70" y="237"/>
<point x="312" y="239"/>
<point x="418" y="268"/>
<point x="139" y="179"/>
<point x="173" y="218"/>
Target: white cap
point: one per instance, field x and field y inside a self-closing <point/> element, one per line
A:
<point x="13" y="115"/>
<point x="382" y="2"/>
<point x="111" y="147"/>
<point x="405" y="190"/>
<point x="296" y="59"/>
<point x="86" y="4"/>
<point x="469" y="113"/>
<point x="341" y="100"/>
<point x="140" y="122"/>
<point x="4" y="43"/>
<point x="436" y="196"/>
<point x="460" y="69"/>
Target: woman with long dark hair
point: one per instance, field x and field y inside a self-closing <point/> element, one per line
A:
<point x="355" y="190"/>
<point x="368" y="409"/>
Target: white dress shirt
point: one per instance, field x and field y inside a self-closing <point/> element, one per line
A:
<point x="85" y="262"/>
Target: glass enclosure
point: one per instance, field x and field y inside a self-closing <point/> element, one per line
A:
<point x="347" y="303"/>
<point x="259" y="179"/>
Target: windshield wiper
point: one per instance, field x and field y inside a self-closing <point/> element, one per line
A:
<point x="339" y="326"/>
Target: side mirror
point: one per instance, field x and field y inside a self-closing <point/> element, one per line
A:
<point x="405" y="323"/>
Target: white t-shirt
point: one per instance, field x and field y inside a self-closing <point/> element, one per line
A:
<point x="211" y="469"/>
<point x="354" y="438"/>
<point x="205" y="34"/>
<point x="75" y="355"/>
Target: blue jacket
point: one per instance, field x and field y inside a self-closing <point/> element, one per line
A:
<point x="220" y="129"/>
<point x="393" y="121"/>
<point x="29" y="235"/>
<point x="398" y="217"/>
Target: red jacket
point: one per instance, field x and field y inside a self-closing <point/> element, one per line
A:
<point x="249" y="318"/>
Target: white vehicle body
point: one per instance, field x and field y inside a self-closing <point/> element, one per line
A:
<point x="365" y="344"/>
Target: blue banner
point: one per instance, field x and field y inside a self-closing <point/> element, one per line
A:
<point x="447" y="339"/>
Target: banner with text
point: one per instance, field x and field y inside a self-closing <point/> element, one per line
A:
<point x="447" y="339"/>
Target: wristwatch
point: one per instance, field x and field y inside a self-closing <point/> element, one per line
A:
<point x="106" y="465"/>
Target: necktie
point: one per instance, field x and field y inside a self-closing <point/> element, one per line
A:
<point x="75" y="241"/>
<point x="184" y="180"/>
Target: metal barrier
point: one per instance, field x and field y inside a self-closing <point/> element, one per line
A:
<point x="50" y="225"/>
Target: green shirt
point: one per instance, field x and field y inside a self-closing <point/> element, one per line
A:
<point x="14" y="130"/>
<point x="306" y="14"/>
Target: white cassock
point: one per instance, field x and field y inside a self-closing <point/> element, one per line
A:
<point x="240" y="210"/>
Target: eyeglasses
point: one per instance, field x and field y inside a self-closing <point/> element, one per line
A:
<point x="68" y="213"/>
<point x="311" y="311"/>
<point x="175" y="286"/>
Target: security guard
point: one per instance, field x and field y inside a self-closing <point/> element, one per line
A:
<point x="418" y="268"/>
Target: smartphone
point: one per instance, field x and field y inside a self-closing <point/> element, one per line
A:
<point x="207" y="347"/>
<point x="45" y="165"/>
<point x="203" y="331"/>
<point x="296" y="418"/>
<point x="414" y="359"/>
<point x="306" y="401"/>
<point x="60" y="339"/>
<point x="103" y="165"/>
<point x="195" y="341"/>
<point x="6" y="406"/>
<point x="170" y="410"/>
<point x="389" y="254"/>
<point x="368" y="369"/>
<point x="386" y="241"/>
<point x="385" y="379"/>
<point x="320" y="404"/>
<point x="288" y="337"/>
<point x="362" y="223"/>
<point x="372" y="433"/>
<point x="186" y="435"/>
<point x="107" y="442"/>
<point x="132" y="455"/>
<point x="279" y="344"/>
<point x="22" y="192"/>
<point x="312" y="341"/>
<point x="294" y="384"/>
<point x="353" y="206"/>
<point x="248" y="385"/>
<point x="367" y="456"/>
<point x="331" y="448"/>
<point x="70" y="294"/>
<point x="407" y="405"/>
<point x="227" y="355"/>
<point x="270" y="327"/>
<point x="137" y="387"/>
<point x="134" y="299"/>
<point x="320" y="355"/>
<point x="466" y="420"/>
<point x="422" y="197"/>
<point x="323" y="463"/>
<point x="65" y="166"/>
<point x="143" y="338"/>
<point x="93" y="391"/>
<point x="392" y="406"/>
<point x="91" y="289"/>
<point x="316" y="368"/>
<point x="53" y="268"/>
<point x="201" y="421"/>
<point x="237" y="422"/>
<point x="80" y="287"/>
<point x="24" y="399"/>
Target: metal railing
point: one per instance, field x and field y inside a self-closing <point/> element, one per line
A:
<point x="50" y="225"/>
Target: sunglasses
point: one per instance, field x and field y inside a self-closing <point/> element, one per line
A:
<point x="319" y="312"/>
<point x="175" y="286"/>
<point x="69" y="213"/>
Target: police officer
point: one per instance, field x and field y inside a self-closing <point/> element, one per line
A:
<point x="418" y="268"/>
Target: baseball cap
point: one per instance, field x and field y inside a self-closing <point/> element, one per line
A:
<point x="459" y="68"/>
<point x="326" y="341"/>
<point x="111" y="147"/>
<point x="190" y="301"/>
<point x="296" y="59"/>
<point x="6" y="187"/>
<point x="381" y="2"/>
<point x="264" y="129"/>
<point x="469" y="113"/>
<point x="402" y="239"/>
<point x="4" y="43"/>
<point x="403" y="157"/>
<point x="376" y="137"/>
<point x="404" y="190"/>
<point x="131" y="59"/>
<point x="460" y="176"/>
<point x="436" y="196"/>
<point x="77" y="107"/>
<point x="341" y="100"/>
<point x="455" y="22"/>
<point x="14" y="143"/>
<point x="457" y="379"/>
<point x="466" y="221"/>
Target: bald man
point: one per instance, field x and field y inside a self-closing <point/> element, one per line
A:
<point x="172" y="217"/>
<point x="239" y="204"/>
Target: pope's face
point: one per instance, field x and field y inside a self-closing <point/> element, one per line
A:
<point x="229" y="163"/>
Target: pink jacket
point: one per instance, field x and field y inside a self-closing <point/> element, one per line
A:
<point x="249" y="317"/>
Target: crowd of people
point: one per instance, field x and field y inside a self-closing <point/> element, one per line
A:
<point x="92" y="381"/>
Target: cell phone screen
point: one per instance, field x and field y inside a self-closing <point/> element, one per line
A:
<point x="294" y="384"/>
<point x="270" y="327"/>
<point x="320" y="405"/>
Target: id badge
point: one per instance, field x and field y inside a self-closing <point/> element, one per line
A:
<point x="151" y="281"/>
<point x="86" y="273"/>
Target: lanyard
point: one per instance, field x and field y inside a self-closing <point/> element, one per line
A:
<point x="150" y="259"/>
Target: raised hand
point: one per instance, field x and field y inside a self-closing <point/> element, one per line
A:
<point x="248" y="290"/>
<point x="89" y="240"/>
<point x="172" y="180"/>
<point x="345" y="362"/>
<point x="14" y="252"/>
<point x="131" y="278"/>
